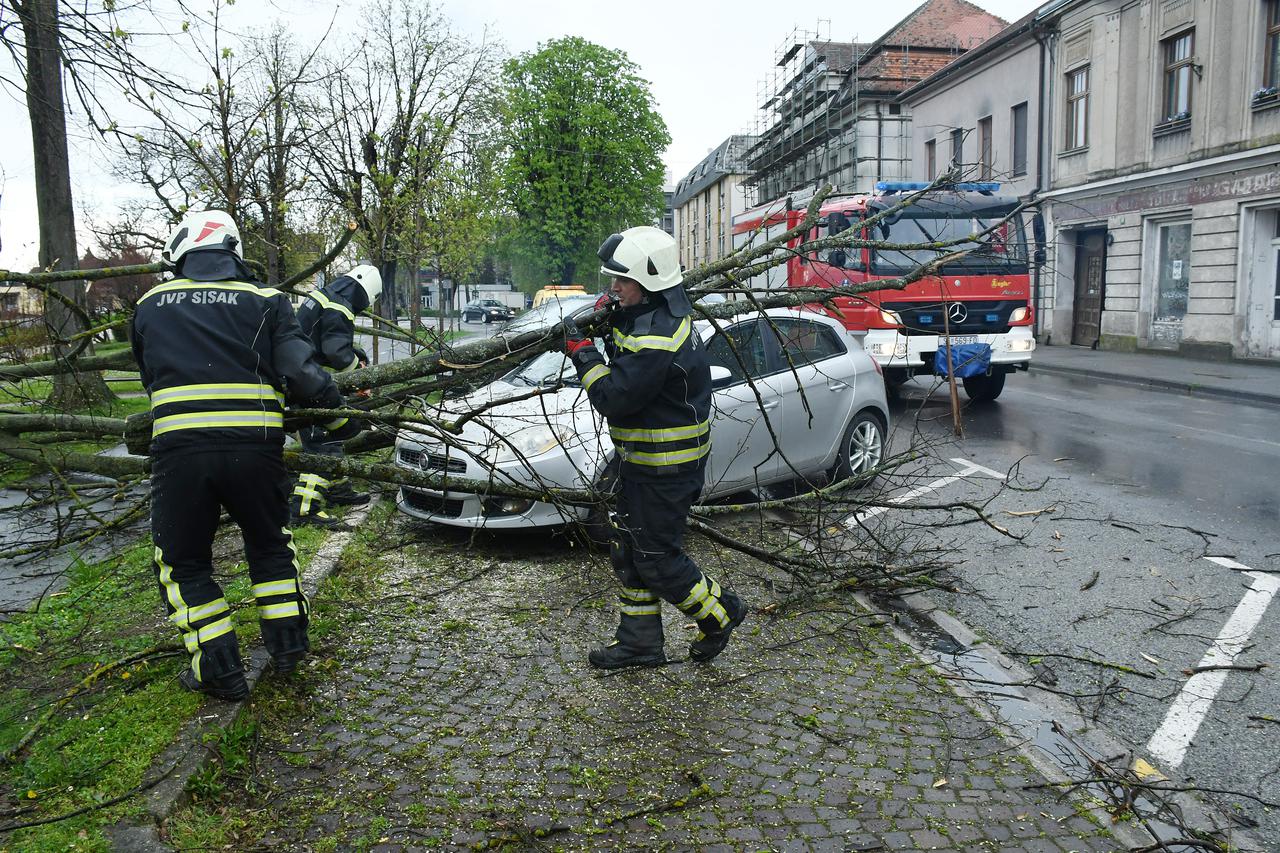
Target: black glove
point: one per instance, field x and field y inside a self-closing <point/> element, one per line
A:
<point x="361" y="356"/>
<point x="573" y="339"/>
<point x="345" y="428"/>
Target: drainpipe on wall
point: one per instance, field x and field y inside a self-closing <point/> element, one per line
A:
<point x="1037" y="283"/>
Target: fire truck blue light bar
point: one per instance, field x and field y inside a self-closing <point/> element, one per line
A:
<point x="915" y="186"/>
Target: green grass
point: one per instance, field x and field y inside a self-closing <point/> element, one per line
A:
<point x="101" y="744"/>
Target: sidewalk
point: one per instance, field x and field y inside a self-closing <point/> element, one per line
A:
<point x="1231" y="380"/>
<point x="450" y="706"/>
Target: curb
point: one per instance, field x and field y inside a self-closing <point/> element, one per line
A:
<point x="920" y="607"/>
<point x="1186" y="388"/>
<point x="186" y="755"/>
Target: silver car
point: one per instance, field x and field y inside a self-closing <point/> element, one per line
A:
<point x="820" y="395"/>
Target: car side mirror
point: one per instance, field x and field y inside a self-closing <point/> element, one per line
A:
<point x="721" y="376"/>
<point x="837" y="258"/>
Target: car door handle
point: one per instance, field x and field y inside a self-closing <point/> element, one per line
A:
<point x="837" y="385"/>
<point x="769" y="406"/>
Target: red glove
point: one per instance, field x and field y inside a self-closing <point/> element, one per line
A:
<point x="573" y="339"/>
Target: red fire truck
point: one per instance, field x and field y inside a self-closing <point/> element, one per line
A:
<point x="982" y="298"/>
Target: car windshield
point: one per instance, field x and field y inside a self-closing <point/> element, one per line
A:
<point x="1004" y="250"/>
<point x="545" y="369"/>
<point x="548" y="314"/>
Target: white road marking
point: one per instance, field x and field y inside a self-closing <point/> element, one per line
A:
<point x="967" y="468"/>
<point x="1170" y="742"/>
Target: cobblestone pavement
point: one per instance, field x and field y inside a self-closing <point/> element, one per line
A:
<point x="452" y="707"/>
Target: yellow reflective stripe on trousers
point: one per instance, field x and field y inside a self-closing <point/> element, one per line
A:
<point x="326" y="302"/>
<point x="183" y="618"/>
<point x="641" y="609"/>
<point x="284" y="587"/>
<point x="215" y="391"/>
<point x="635" y="593"/>
<point x="212" y="631"/>
<point x="188" y="284"/>
<point x="660" y="342"/>
<point x="592" y="375"/>
<point x="278" y="611"/>
<point x="308" y="488"/>
<point x="171" y="590"/>
<point x="297" y="570"/>
<point x="673" y="457"/>
<point x="217" y="420"/>
<point x="657" y="436"/>
<point x="709" y="599"/>
<point x="336" y="423"/>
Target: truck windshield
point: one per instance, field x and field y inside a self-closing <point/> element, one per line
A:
<point x="1003" y="251"/>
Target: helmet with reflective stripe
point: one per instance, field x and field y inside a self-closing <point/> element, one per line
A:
<point x="370" y="279"/>
<point x="645" y="254"/>
<point x="204" y="229"/>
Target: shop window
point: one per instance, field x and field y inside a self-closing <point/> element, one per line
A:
<point x="1077" y="108"/>
<point x="1173" y="272"/>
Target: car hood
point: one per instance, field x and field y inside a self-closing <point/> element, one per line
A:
<point x="582" y="437"/>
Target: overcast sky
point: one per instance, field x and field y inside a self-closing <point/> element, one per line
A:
<point x="705" y="61"/>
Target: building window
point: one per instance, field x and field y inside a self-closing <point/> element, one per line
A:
<point x="1078" y="108"/>
<point x="931" y="159"/>
<point x="987" y="168"/>
<point x="1018" y="119"/>
<point x="1271" y="56"/>
<point x="1275" y="249"/>
<point x="957" y="146"/>
<point x="1177" y="77"/>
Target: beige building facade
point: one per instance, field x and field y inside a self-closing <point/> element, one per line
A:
<point x="1163" y="191"/>
<point x="706" y="200"/>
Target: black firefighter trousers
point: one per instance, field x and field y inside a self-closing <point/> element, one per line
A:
<point x="649" y="559"/>
<point x="189" y="490"/>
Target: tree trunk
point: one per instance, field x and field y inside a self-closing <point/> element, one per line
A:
<point x="45" y="107"/>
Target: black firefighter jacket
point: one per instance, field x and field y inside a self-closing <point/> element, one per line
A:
<point x="655" y="391"/>
<point x="218" y="359"/>
<point x="328" y="317"/>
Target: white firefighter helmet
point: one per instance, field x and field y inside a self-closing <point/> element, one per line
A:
<point x="370" y="279"/>
<point x="203" y="229"/>
<point x="645" y="254"/>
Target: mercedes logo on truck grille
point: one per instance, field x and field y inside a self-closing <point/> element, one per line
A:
<point x="957" y="313"/>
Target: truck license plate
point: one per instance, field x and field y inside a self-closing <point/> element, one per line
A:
<point x="957" y="340"/>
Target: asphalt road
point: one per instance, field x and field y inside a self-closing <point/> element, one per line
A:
<point x="1140" y="513"/>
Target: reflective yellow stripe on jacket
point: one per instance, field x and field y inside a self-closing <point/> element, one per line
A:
<point x="215" y="391"/>
<point x="217" y="420"/>
<point x="188" y="284"/>
<point x="326" y="302"/>
<point x="660" y="342"/>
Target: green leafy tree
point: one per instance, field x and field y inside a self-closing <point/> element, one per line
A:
<point x="585" y="147"/>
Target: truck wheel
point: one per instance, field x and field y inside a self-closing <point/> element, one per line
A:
<point x="862" y="448"/>
<point x="984" y="389"/>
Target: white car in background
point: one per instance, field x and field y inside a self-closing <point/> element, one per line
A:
<point x="819" y="394"/>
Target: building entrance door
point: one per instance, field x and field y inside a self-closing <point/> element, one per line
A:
<point x="1091" y="282"/>
<point x="1262" y="324"/>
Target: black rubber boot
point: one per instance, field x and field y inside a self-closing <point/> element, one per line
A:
<point x="286" y="665"/>
<point x="617" y="656"/>
<point x="343" y="495"/>
<point x="231" y="687"/>
<point x="711" y="643"/>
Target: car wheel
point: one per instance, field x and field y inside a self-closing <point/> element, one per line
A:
<point x="984" y="389"/>
<point x="862" y="448"/>
<point x="488" y="318"/>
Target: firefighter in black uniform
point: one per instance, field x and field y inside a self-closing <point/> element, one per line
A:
<point x="218" y="352"/>
<point x="327" y="316"/>
<point x="655" y="392"/>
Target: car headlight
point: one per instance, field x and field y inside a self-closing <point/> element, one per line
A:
<point x="530" y="442"/>
<point x="1018" y="315"/>
<point x="891" y="317"/>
